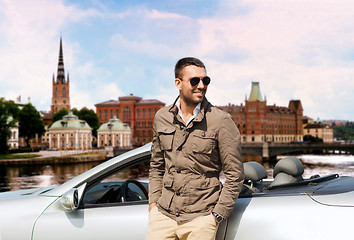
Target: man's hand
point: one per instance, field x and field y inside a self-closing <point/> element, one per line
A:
<point x="151" y="205"/>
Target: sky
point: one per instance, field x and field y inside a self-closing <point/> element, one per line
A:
<point x="300" y="49"/>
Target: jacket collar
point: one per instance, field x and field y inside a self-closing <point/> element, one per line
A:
<point x="205" y="105"/>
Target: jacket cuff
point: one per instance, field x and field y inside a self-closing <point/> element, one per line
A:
<point x="222" y="211"/>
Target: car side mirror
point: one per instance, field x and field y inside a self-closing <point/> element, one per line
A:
<point x="71" y="199"/>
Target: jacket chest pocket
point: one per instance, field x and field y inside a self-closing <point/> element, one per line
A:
<point x="204" y="142"/>
<point x="166" y="138"/>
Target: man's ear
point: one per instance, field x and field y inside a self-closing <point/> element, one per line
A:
<point x="178" y="83"/>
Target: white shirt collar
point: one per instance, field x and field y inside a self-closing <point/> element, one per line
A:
<point x="196" y="111"/>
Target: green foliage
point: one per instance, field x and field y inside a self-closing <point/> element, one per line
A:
<point x="312" y="139"/>
<point x="345" y="132"/>
<point x="8" y="116"/>
<point x="60" y="114"/>
<point x="25" y="149"/>
<point x="90" y="117"/>
<point x="30" y="123"/>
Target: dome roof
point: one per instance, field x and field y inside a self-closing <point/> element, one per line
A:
<point x="114" y="125"/>
<point x="70" y="122"/>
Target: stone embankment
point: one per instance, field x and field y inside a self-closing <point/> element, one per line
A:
<point x="58" y="157"/>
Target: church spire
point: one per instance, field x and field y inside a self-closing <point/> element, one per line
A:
<point x="61" y="71"/>
<point x="61" y="87"/>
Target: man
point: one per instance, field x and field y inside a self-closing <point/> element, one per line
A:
<point x="193" y="141"/>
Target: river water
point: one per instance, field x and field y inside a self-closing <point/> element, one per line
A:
<point x="33" y="176"/>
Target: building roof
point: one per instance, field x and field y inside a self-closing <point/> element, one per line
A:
<point x="70" y="122"/>
<point x="108" y="103"/>
<point x="255" y="93"/>
<point x="114" y="125"/>
<point x="317" y="125"/>
<point x="131" y="97"/>
<point x="138" y="101"/>
<point x="150" y="102"/>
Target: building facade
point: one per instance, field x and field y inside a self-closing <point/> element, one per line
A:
<point x="13" y="141"/>
<point x="259" y="122"/>
<point x="70" y="133"/>
<point x="61" y="86"/>
<point x="320" y="130"/>
<point x="138" y="113"/>
<point x="114" y="133"/>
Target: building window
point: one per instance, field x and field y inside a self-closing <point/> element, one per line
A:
<point x="150" y="113"/>
<point x="117" y="113"/>
<point x="105" y="115"/>
<point x="137" y="113"/>
<point x="111" y="113"/>
<point x="64" y="92"/>
<point x="127" y="113"/>
<point x="100" y="114"/>
<point x="143" y="113"/>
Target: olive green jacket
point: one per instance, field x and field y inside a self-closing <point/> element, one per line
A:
<point x="187" y="160"/>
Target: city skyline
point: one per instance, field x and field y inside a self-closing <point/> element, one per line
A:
<point x="295" y="50"/>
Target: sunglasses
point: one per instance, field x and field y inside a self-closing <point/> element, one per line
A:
<point x="194" y="81"/>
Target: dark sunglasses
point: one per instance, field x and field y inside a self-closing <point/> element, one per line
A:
<point x="194" y="81"/>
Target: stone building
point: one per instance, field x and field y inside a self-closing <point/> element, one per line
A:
<point x="138" y="113"/>
<point x="259" y="122"/>
<point x="320" y="130"/>
<point x="13" y="141"/>
<point x="70" y="133"/>
<point x="114" y="133"/>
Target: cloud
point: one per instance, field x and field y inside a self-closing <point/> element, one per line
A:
<point x="154" y="14"/>
<point x="29" y="35"/>
<point x="296" y="50"/>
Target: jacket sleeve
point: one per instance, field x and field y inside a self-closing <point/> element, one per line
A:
<point x="232" y="166"/>
<point x="157" y="167"/>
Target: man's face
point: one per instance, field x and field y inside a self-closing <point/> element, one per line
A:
<point x="191" y="95"/>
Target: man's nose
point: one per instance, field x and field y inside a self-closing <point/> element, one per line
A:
<point x="201" y="84"/>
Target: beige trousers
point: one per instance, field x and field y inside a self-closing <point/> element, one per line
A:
<point x="161" y="227"/>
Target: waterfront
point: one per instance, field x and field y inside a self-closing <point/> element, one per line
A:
<point x="33" y="176"/>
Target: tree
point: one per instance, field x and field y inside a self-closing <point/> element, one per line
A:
<point x="30" y="122"/>
<point x="59" y="115"/>
<point x="312" y="139"/>
<point x="5" y="126"/>
<point x="91" y="118"/>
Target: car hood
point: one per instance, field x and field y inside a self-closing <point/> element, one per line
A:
<point x="338" y="192"/>
<point x="23" y="193"/>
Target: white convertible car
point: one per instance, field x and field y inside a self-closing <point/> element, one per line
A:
<point x="110" y="202"/>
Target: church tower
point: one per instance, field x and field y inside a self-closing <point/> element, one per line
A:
<point x="60" y="96"/>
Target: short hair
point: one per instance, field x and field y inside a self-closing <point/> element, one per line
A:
<point x="187" y="61"/>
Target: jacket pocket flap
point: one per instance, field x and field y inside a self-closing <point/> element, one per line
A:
<point x="165" y="130"/>
<point x="166" y="137"/>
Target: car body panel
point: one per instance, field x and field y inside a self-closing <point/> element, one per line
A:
<point x="21" y="214"/>
<point x="310" y="209"/>
<point x="113" y="222"/>
<point x="287" y="218"/>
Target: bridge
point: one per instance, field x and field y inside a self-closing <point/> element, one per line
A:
<point x="271" y="150"/>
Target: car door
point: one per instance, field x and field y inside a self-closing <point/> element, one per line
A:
<point x="114" y="205"/>
<point x="127" y="221"/>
